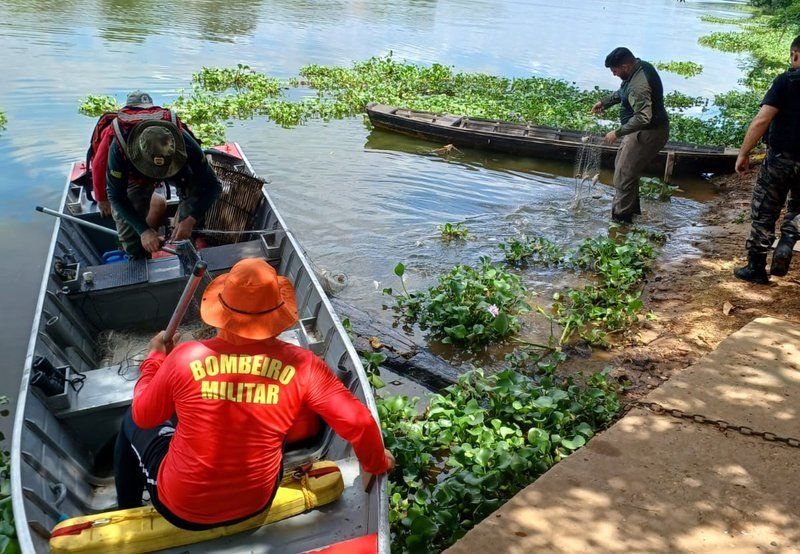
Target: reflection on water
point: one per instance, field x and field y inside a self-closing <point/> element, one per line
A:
<point x="360" y="201"/>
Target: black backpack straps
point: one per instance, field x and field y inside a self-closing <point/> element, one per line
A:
<point x="119" y="137"/>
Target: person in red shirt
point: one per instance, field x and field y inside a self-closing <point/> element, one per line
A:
<point x="235" y="397"/>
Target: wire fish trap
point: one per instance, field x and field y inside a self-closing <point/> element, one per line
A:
<point x="235" y="208"/>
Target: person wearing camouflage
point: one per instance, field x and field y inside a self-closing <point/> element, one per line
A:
<point x="151" y="152"/>
<point x="644" y="127"/>
<point x="778" y="178"/>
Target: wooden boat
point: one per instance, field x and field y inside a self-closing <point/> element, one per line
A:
<point x="61" y="456"/>
<point x="676" y="158"/>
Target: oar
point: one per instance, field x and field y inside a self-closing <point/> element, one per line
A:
<point x="89" y="224"/>
<point x="183" y="304"/>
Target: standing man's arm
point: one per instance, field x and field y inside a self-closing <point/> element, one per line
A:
<point x="607" y="102"/>
<point x="755" y="131"/>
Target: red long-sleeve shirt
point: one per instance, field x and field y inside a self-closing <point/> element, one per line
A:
<point x="235" y="403"/>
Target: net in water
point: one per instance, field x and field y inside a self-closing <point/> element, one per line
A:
<point x="587" y="170"/>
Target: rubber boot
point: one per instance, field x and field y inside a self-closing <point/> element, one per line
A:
<point x="782" y="256"/>
<point x="755" y="271"/>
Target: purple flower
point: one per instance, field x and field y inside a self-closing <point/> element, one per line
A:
<point x="494" y="310"/>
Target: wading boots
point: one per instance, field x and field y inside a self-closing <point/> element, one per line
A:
<point x="755" y="271"/>
<point x="782" y="256"/>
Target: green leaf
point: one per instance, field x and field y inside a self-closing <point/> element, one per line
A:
<point x="399" y="270"/>
<point x="585" y="429"/>
<point x="424" y="527"/>
<point x="483" y="456"/>
<point x="573" y="444"/>
<point x="375" y="381"/>
<point x="458" y="332"/>
<point x="501" y="323"/>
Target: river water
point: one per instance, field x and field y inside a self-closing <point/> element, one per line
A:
<point x="359" y="200"/>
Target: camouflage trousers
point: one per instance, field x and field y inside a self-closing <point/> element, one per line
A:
<point x="778" y="179"/>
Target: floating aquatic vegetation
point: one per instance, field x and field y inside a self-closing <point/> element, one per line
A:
<point x="450" y="231"/>
<point x="523" y="249"/>
<point x="684" y="69"/>
<point x="654" y="188"/>
<point x="478" y="443"/>
<point x="470" y="306"/>
<point x="8" y="534"/>
<point x="96" y="105"/>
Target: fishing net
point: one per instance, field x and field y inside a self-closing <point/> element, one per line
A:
<point x="587" y="170"/>
<point x="128" y="349"/>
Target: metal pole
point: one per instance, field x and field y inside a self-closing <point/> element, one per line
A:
<point x="186" y="297"/>
<point x="89" y="224"/>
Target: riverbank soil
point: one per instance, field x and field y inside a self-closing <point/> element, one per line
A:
<point x="697" y="300"/>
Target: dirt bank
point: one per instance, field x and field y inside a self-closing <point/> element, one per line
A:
<point x="697" y="300"/>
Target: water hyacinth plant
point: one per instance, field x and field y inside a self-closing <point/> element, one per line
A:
<point x="218" y="95"/>
<point x="523" y="249"/>
<point x="470" y="306"/>
<point x="451" y="231"/>
<point x="613" y="304"/>
<point x="96" y="105"/>
<point x="654" y="188"/>
<point x="684" y="69"/>
<point x="8" y="534"/>
<point x="479" y="442"/>
<point x="3" y="121"/>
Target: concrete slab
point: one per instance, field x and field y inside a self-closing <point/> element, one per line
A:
<point x="752" y="378"/>
<point x="653" y="483"/>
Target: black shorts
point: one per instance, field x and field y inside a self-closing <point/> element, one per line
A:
<point x="151" y="446"/>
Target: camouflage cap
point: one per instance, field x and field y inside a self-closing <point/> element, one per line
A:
<point x="139" y="99"/>
<point x="157" y="149"/>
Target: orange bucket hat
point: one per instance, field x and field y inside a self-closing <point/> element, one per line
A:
<point x="251" y="301"/>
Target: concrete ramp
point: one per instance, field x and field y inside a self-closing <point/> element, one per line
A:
<point x="655" y="483"/>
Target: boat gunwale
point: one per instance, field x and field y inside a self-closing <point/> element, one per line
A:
<point x="679" y="149"/>
<point x="17" y="497"/>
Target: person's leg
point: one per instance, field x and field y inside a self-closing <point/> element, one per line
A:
<point x="626" y="181"/>
<point x="128" y="476"/>
<point x="140" y="197"/>
<point x="635" y="154"/>
<point x="769" y="196"/>
<point x="790" y="228"/>
<point x="137" y="459"/>
<point x="157" y="211"/>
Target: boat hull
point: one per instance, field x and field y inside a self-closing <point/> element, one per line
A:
<point x="541" y="142"/>
<point x="60" y="455"/>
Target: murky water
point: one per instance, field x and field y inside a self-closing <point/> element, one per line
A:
<point x="360" y="200"/>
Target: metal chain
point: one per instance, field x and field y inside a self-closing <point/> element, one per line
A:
<point x="720" y="424"/>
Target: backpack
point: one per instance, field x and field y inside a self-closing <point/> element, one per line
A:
<point x="118" y="125"/>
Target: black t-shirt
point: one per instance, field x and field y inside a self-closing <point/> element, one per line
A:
<point x="784" y="131"/>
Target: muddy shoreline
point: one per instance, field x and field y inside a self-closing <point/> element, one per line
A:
<point x="697" y="299"/>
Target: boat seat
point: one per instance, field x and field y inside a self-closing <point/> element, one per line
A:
<point x="145" y="530"/>
<point x="222" y="258"/>
<point x="107" y="392"/>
